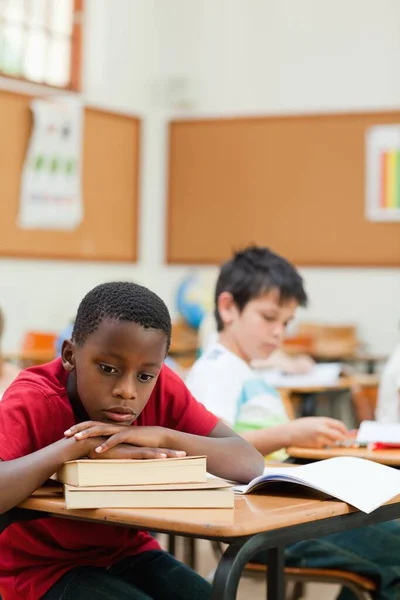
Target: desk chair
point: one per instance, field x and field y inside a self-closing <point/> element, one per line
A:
<point x="362" y="587"/>
<point x="365" y="397"/>
<point x="37" y="348"/>
<point x="184" y="346"/>
<point x="331" y="341"/>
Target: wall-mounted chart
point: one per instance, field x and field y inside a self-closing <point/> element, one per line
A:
<point x="383" y="173"/>
<point x="51" y="184"/>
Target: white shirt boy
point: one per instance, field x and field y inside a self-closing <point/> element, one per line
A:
<point x="236" y="393"/>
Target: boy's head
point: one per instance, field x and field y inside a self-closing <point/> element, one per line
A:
<point x="119" y="342"/>
<point x="256" y="296"/>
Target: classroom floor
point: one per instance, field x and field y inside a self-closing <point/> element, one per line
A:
<point x="251" y="586"/>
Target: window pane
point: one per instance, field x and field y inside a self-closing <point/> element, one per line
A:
<point x="13" y="10"/>
<point x="61" y="15"/>
<point x="36" y="39"/>
<point x="11" y="41"/>
<point x="34" y="58"/>
<point x="37" y="12"/>
<point x="58" y="62"/>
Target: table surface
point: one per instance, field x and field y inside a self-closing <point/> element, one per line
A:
<point x="35" y="356"/>
<point x="357" y="356"/>
<point x="386" y="457"/>
<point x="343" y="383"/>
<point x="253" y="513"/>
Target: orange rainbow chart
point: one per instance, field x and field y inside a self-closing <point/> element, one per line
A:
<point x="383" y="173"/>
<point x="390" y="179"/>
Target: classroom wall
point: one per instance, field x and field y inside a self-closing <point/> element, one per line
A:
<point x="185" y="57"/>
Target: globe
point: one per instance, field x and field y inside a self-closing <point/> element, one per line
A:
<point x="194" y="299"/>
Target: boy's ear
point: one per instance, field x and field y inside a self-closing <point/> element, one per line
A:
<point x="227" y="308"/>
<point x="68" y="355"/>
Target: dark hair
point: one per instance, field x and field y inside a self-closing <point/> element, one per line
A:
<point x="254" y="271"/>
<point x="120" y="301"/>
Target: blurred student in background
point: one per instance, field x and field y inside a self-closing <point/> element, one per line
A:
<point x="294" y="365"/>
<point x="388" y="405"/>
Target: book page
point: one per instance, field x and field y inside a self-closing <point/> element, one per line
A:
<point x="213" y="483"/>
<point x="364" y="484"/>
<point x="320" y="375"/>
<point x="386" y="433"/>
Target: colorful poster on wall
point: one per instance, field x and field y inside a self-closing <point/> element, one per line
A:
<point x="51" y="185"/>
<point x="383" y="173"/>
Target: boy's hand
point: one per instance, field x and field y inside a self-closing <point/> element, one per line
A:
<point x="317" y="432"/>
<point x="150" y="440"/>
<point x="301" y="365"/>
<point x="129" y="452"/>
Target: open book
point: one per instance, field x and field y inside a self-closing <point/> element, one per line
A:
<point x="364" y="484"/>
<point x="320" y="375"/>
<point x="379" y="434"/>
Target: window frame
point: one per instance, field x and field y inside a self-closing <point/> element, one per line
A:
<point x="75" y="80"/>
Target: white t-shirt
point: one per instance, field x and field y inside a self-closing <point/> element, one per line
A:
<point x="236" y="393"/>
<point x="388" y="405"/>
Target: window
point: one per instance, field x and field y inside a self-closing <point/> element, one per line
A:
<point x="40" y="41"/>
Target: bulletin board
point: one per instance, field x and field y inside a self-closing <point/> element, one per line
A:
<point x="108" y="231"/>
<point x="293" y="183"/>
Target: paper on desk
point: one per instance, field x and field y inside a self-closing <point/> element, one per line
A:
<point x="373" y="432"/>
<point x="320" y="375"/>
<point x="364" y="484"/>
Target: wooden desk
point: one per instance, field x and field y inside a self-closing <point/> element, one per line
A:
<point x="308" y="395"/>
<point x="343" y="383"/>
<point x="258" y="522"/>
<point x="370" y="360"/>
<point x="386" y="457"/>
<point x="27" y="358"/>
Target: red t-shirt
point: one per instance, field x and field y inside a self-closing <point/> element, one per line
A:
<point x="35" y="412"/>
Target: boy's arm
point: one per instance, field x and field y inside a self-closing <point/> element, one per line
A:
<point x="283" y="361"/>
<point x="30" y="448"/>
<point x="22" y="476"/>
<point x="311" y="432"/>
<point x="228" y="455"/>
<point x="270" y="440"/>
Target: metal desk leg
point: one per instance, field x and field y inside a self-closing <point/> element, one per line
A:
<point x="189" y="552"/>
<point x="308" y="405"/>
<point x="370" y="366"/>
<point x="236" y="557"/>
<point x="275" y="574"/>
<point x="171" y="544"/>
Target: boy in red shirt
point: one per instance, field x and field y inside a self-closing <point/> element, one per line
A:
<point x="108" y="396"/>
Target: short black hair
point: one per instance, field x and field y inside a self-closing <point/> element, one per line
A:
<point x="120" y="301"/>
<point x="254" y="271"/>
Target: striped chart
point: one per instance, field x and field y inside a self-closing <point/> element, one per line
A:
<point x="382" y="173"/>
<point x="390" y="180"/>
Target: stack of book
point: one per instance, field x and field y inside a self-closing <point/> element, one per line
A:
<point x="157" y="483"/>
